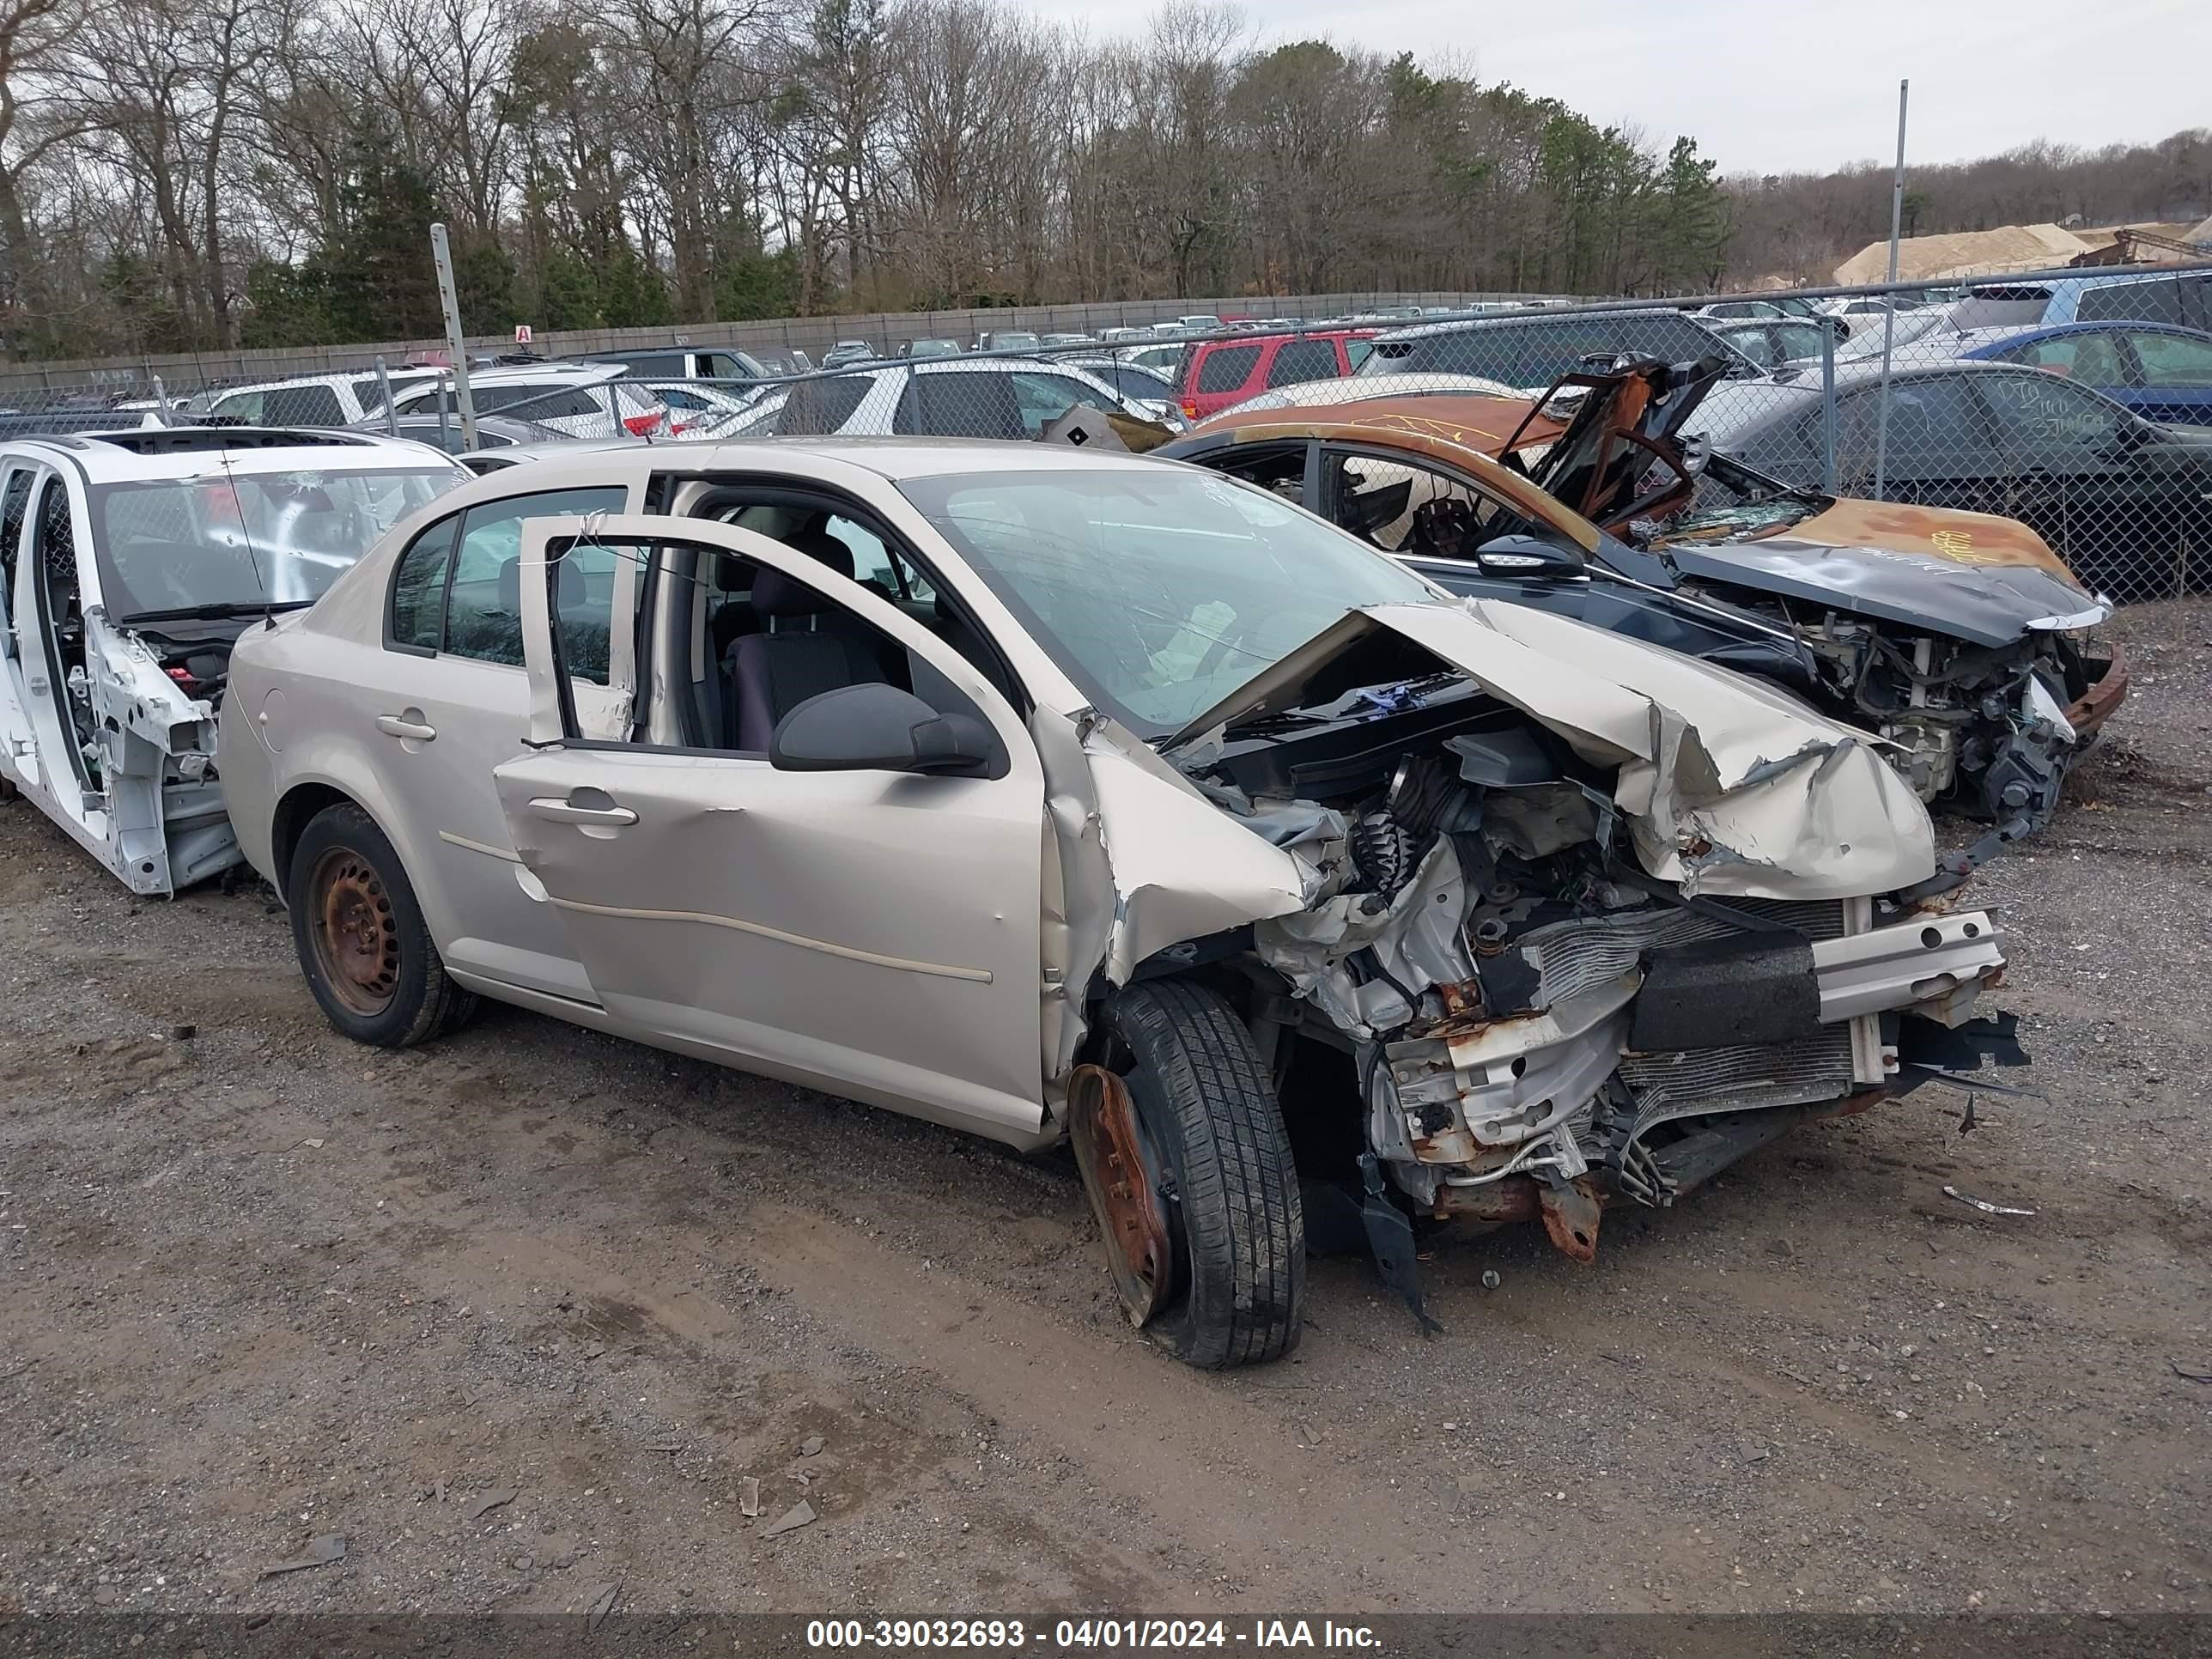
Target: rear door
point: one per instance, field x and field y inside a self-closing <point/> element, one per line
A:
<point x="876" y="933"/>
<point x="2077" y="474"/>
<point x="446" y="698"/>
<point x="1298" y="360"/>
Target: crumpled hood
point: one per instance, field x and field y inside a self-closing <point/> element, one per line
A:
<point x="1727" y="786"/>
<point x="1972" y="575"/>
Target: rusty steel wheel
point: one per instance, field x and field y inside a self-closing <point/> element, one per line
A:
<point x="359" y="929"/>
<point x="355" y="934"/>
<point x="1123" y="1177"/>
<point x="1188" y="1168"/>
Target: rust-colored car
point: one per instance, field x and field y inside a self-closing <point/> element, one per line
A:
<point x="1959" y="636"/>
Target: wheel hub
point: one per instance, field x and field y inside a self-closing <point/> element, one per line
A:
<point x="356" y="934"/>
<point x="1123" y="1187"/>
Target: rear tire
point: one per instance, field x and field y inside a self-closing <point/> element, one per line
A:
<point x="1203" y="1098"/>
<point x="361" y="936"/>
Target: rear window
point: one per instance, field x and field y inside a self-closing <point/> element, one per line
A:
<point x="960" y="406"/>
<point x="1227" y="369"/>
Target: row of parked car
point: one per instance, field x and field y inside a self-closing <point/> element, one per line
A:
<point x="1381" y="807"/>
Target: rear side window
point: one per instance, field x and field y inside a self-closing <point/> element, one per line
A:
<point x="815" y="408"/>
<point x="2159" y="301"/>
<point x="1303" y="360"/>
<point x="2173" y="359"/>
<point x="283" y="406"/>
<point x="960" y="406"/>
<point x="418" y="588"/>
<point x="1227" y="369"/>
<point x="302" y="406"/>
<point x="483" y="580"/>
<point x="673" y="363"/>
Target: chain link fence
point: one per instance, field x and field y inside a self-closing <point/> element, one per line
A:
<point x="2079" y="403"/>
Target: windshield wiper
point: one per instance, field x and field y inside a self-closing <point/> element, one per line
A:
<point x="220" y="612"/>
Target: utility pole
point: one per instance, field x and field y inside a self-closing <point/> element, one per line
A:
<point x="1889" y="310"/>
<point x="458" y="350"/>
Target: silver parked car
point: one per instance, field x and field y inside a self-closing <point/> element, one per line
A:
<point x="1057" y="795"/>
<point x="129" y="564"/>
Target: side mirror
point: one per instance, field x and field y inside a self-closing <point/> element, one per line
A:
<point x="879" y="728"/>
<point x="1528" y="557"/>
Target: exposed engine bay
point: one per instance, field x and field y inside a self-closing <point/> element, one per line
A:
<point x="1981" y="725"/>
<point x="1565" y="977"/>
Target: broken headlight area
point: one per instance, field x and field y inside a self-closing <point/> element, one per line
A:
<point x="1538" y="1027"/>
<point x="1988" y="732"/>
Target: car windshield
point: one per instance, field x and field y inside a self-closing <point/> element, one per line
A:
<point x="1158" y="592"/>
<point x="234" y="538"/>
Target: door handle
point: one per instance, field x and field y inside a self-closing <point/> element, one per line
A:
<point x="398" y="726"/>
<point x="556" y="811"/>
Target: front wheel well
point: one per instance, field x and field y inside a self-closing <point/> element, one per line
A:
<point x="295" y="813"/>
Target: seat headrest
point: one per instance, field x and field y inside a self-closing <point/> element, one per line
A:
<point x="776" y="594"/>
<point x="569" y="595"/>
<point x="818" y="544"/>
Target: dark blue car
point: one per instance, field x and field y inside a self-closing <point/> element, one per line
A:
<point x="2161" y="372"/>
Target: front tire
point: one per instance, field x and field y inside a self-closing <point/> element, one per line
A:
<point x="361" y="938"/>
<point x="1208" y="1112"/>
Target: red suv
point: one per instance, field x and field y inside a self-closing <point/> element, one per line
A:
<point x="1216" y="373"/>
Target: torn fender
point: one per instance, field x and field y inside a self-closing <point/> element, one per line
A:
<point x="1182" y="867"/>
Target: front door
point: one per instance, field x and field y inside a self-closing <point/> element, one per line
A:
<point x="875" y="933"/>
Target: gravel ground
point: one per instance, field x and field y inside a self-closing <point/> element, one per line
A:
<point x="523" y="1316"/>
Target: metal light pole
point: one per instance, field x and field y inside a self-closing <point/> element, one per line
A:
<point x="1889" y="309"/>
<point x="456" y="348"/>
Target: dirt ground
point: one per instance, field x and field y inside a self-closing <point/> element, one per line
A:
<point x="259" y="1286"/>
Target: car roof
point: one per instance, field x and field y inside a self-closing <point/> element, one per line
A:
<point x="130" y="454"/>
<point x="333" y="377"/>
<point x="890" y="458"/>
<point x="557" y="373"/>
<point x="1470" y="421"/>
<point x="1531" y="319"/>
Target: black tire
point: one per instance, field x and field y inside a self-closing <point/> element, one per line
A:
<point x="1203" y="1098"/>
<point x="382" y="981"/>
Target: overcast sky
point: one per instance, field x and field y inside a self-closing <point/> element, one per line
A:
<point x="1771" y="86"/>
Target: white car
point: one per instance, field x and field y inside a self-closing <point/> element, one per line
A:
<point x="1061" y="794"/>
<point x="314" y="400"/>
<point x="133" y="561"/>
<point x="936" y="397"/>
<point x="581" y="400"/>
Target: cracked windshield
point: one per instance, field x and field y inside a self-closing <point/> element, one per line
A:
<point x="1158" y="596"/>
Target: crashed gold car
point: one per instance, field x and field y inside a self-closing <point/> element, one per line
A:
<point x="1062" y="796"/>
